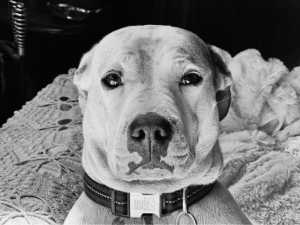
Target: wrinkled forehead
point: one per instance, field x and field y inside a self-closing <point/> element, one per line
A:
<point x="149" y="40"/>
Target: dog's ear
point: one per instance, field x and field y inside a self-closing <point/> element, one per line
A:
<point x="83" y="78"/>
<point x="222" y="81"/>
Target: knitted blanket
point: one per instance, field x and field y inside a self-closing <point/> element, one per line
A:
<point x="41" y="145"/>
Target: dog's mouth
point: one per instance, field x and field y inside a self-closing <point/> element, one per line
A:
<point x="155" y="170"/>
<point x="153" y="174"/>
<point x="150" y="167"/>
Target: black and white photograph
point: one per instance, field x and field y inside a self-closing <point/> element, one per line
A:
<point x="151" y="112"/>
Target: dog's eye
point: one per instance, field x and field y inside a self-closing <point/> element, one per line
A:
<point x="191" y="78"/>
<point x="112" y="80"/>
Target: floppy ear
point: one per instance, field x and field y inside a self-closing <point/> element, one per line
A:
<point x="222" y="80"/>
<point x="83" y="78"/>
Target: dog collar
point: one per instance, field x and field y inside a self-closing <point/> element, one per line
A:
<point x="134" y="205"/>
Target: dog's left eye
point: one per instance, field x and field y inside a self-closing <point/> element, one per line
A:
<point x="112" y="80"/>
<point x="191" y="78"/>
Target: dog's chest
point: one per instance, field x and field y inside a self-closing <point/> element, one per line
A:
<point x="150" y="220"/>
<point x="106" y="217"/>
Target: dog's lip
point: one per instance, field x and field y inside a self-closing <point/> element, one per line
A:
<point x="154" y="174"/>
<point x="150" y="166"/>
<point x="148" y="179"/>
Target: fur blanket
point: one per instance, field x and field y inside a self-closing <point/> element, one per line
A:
<point x="260" y="138"/>
<point x="41" y="147"/>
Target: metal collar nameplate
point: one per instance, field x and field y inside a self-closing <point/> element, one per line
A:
<point x="144" y="204"/>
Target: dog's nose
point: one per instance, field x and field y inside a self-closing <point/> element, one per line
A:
<point x="151" y="129"/>
<point x="149" y="135"/>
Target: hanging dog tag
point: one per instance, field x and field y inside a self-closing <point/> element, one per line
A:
<point x="144" y="204"/>
<point x="184" y="209"/>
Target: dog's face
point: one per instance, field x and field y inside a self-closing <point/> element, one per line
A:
<point x="151" y="118"/>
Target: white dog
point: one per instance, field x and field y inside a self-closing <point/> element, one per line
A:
<point x="152" y="98"/>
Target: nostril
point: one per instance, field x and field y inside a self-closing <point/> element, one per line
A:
<point x="159" y="135"/>
<point x="162" y="133"/>
<point x="138" y="134"/>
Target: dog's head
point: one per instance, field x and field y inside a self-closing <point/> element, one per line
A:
<point x="152" y="98"/>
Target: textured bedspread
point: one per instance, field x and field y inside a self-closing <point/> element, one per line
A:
<point x="41" y="146"/>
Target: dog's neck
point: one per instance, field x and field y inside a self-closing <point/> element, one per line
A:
<point x="136" y="204"/>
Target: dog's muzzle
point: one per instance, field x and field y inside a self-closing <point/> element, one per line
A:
<point x="149" y="135"/>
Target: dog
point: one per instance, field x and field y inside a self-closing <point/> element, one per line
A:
<point x="152" y="98"/>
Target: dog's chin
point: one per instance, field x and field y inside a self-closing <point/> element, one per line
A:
<point x="153" y="185"/>
<point x="155" y="174"/>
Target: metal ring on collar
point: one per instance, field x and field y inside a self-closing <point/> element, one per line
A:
<point x="184" y="209"/>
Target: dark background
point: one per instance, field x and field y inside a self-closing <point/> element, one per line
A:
<point x="54" y="45"/>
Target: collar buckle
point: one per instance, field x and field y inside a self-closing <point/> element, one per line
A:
<point x="138" y="204"/>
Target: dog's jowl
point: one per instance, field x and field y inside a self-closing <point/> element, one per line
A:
<point x="152" y="98"/>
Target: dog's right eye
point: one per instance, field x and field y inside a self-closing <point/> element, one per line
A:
<point x="112" y="80"/>
<point x="191" y="78"/>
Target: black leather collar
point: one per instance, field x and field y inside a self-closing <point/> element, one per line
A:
<point x="119" y="202"/>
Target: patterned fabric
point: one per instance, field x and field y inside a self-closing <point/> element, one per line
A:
<point x="40" y="157"/>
